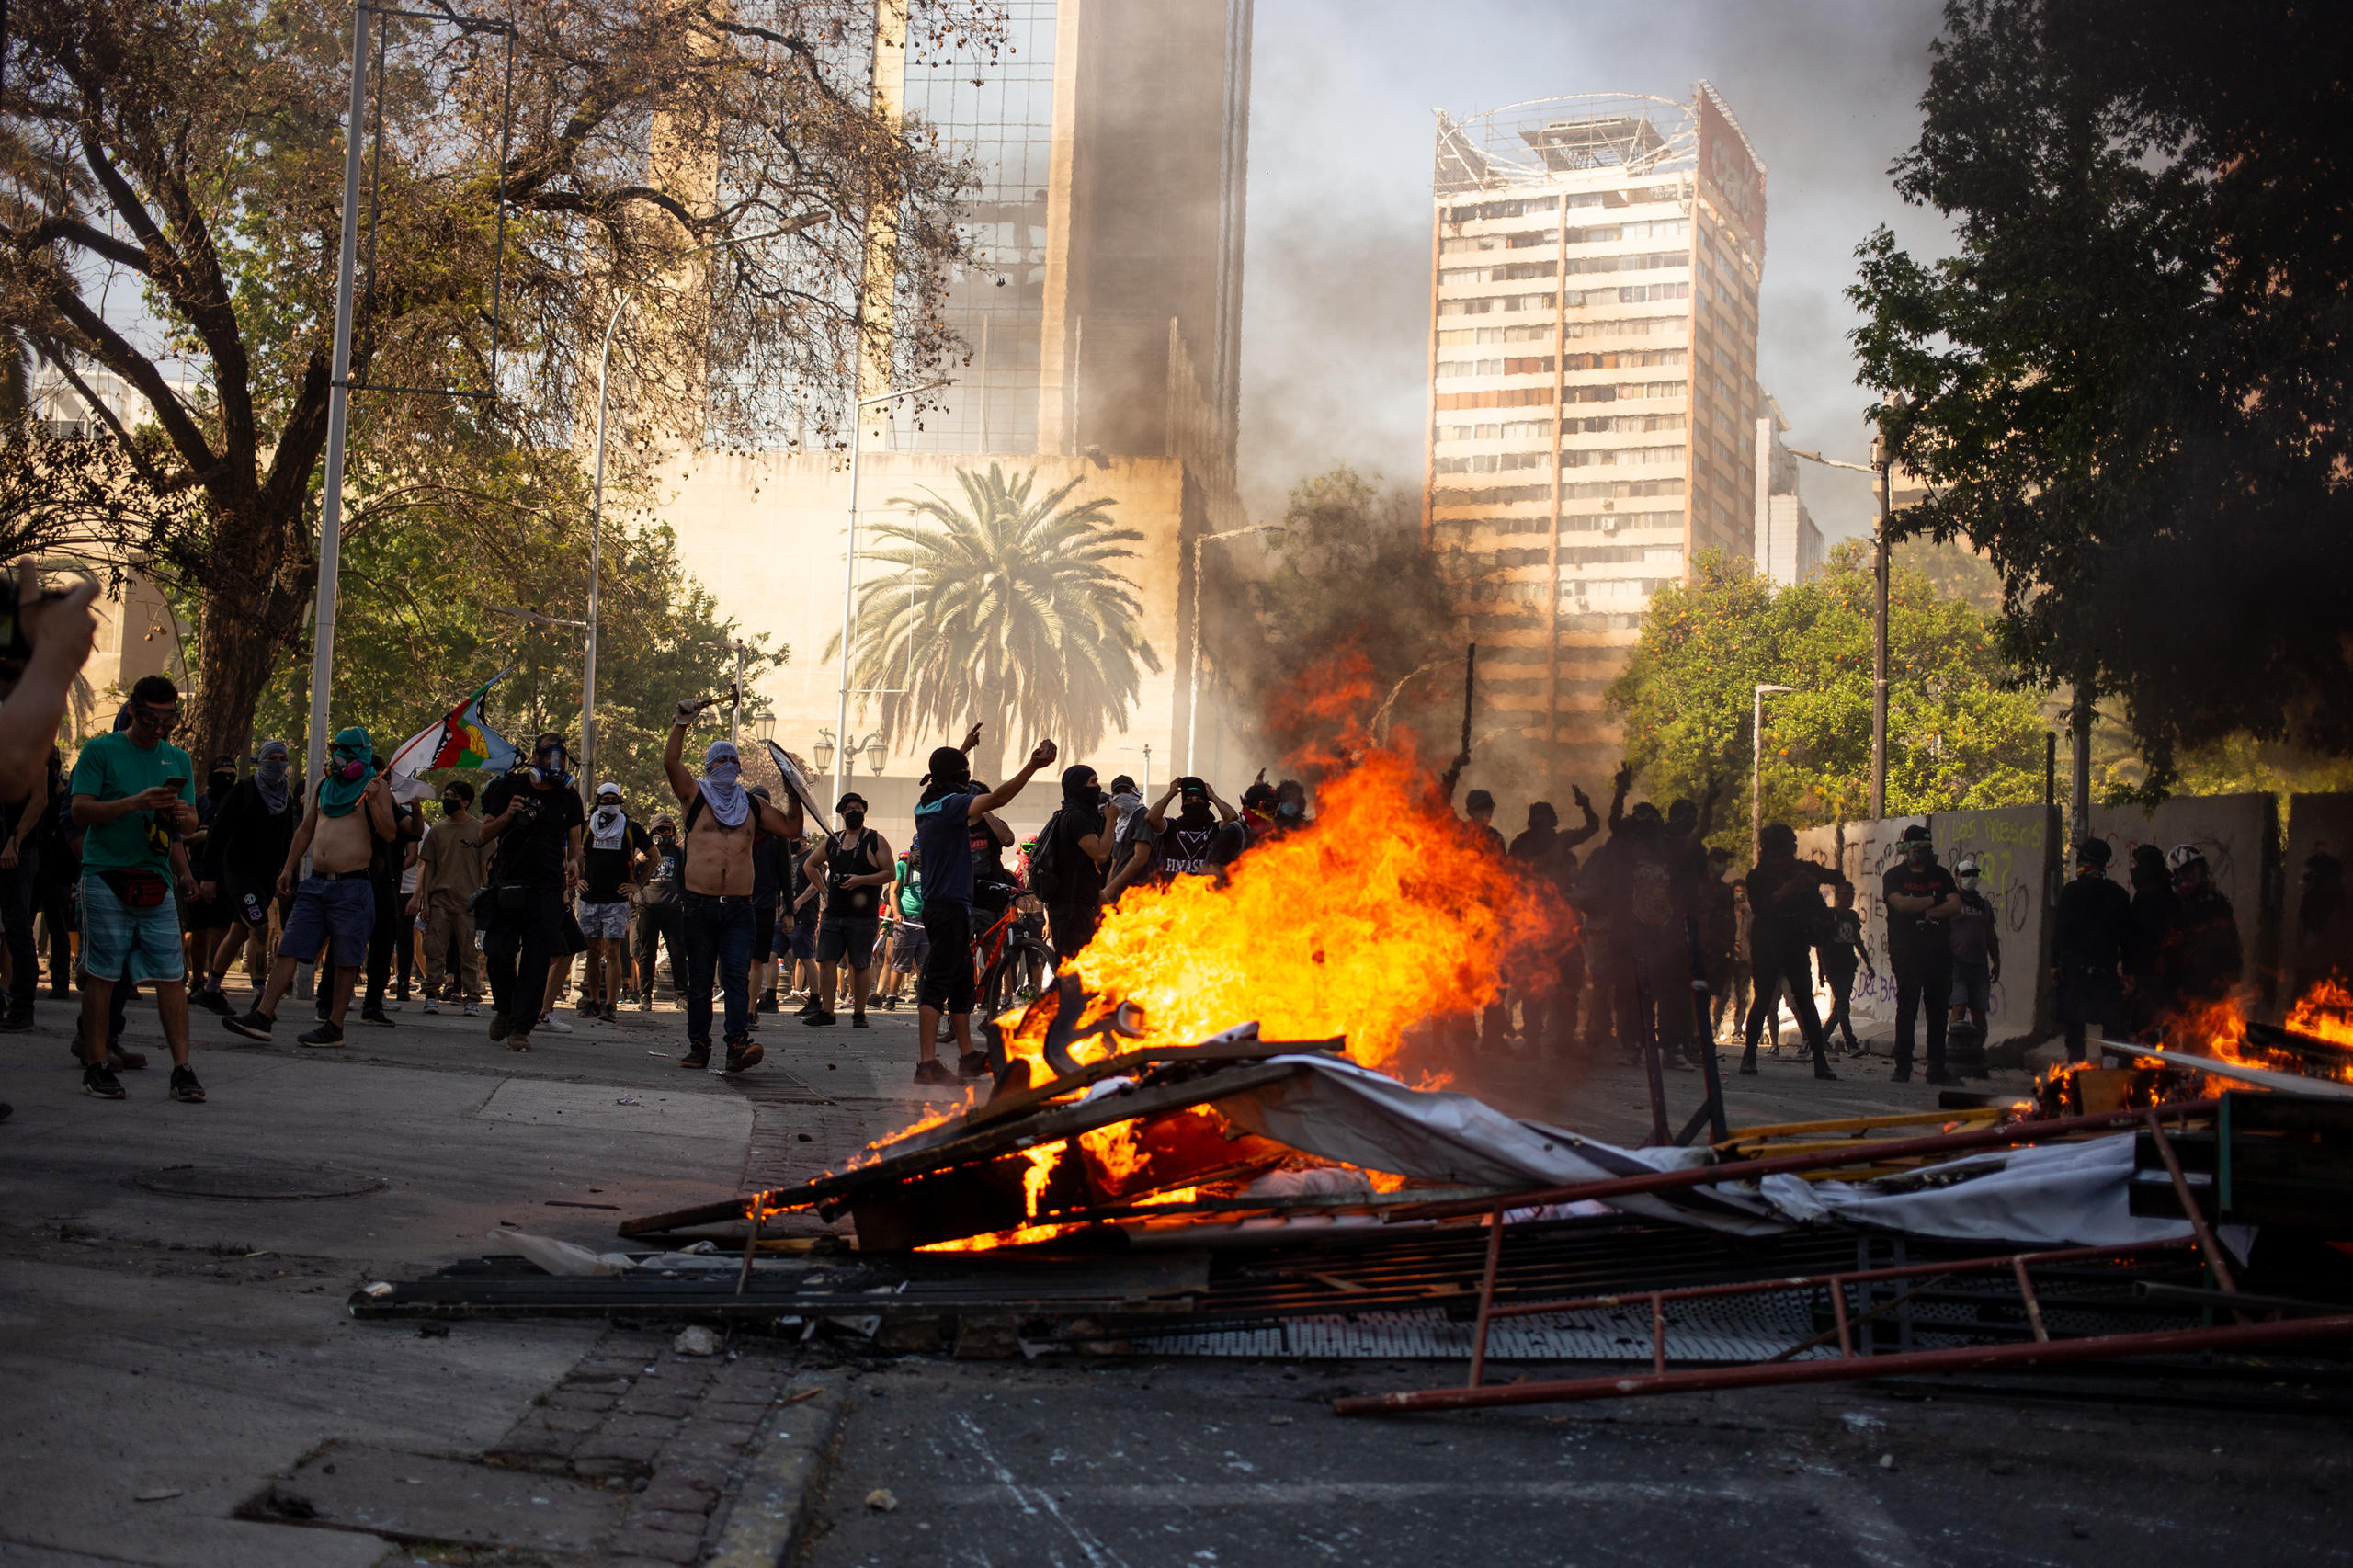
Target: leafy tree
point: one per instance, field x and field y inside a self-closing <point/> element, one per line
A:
<point x="1347" y="567"/>
<point x="187" y="154"/>
<point x="417" y="634"/>
<point x="2127" y="384"/>
<point x="1958" y="737"/>
<point x="1009" y="610"/>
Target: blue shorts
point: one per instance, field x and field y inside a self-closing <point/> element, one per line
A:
<point x="604" y="922"/>
<point x="339" y="917"/>
<point x="805" y="939"/>
<point x="122" y="943"/>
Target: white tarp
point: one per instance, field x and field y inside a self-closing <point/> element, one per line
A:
<point x="2061" y="1195"/>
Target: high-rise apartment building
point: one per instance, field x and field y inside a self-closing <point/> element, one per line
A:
<point x="1099" y="313"/>
<point x="1593" y="394"/>
<point x="1788" y="546"/>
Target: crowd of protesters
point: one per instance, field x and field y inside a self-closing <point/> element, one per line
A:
<point x="513" y="893"/>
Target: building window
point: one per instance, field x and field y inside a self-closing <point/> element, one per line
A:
<point x="1641" y="295"/>
<point x="1465" y="307"/>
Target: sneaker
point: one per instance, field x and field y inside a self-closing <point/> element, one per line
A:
<point x="1822" y="1070"/>
<point x="253" y="1023"/>
<point x="325" y="1034"/>
<point x="209" y="997"/>
<point x="500" y="1026"/>
<point x="16" y="1021"/>
<point x="810" y="1008"/>
<point x="185" y="1088"/>
<point x="519" y="1041"/>
<point x="645" y="1004"/>
<point x="549" y="1021"/>
<point x="697" y="1056"/>
<point x="100" y="1083"/>
<point x="767" y="1002"/>
<point x="430" y="1006"/>
<point x="1903" y="1074"/>
<point x="612" y="1013"/>
<point x="474" y="1010"/>
<point x="890" y="1004"/>
<point x="973" y="1063"/>
<point x="375" y="1016"/>
<point x="857" y="1021"/>
<point x="817" y="1020"/>
<point x="935" y="1072"/>
<point x="747" y="1055"/>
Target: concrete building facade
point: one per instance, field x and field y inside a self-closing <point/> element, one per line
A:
<point x="1099" y="316"/>
<point x="1788" y="546"/>
<point x="1595" y="263"/>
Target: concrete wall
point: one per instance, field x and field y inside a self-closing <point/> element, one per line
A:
<point x="2316" y="824"/>
<point x="2010" y="845"/>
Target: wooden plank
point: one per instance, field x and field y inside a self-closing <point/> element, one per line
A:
<point x="984" y="1143"/>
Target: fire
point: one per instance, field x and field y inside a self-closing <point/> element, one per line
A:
<point x="1023" y="1236"/>
<point x="2325" y="1012"/>
<point x="1041" y="1169"/>
<point x="1386" y="912"/>
<point x="1114" y="1149"/>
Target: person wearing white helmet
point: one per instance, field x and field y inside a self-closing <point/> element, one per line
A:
<point x="1976" y="939"/>
<point x="2200" y="961"/>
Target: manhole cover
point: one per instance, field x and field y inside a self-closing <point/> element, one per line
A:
<point x="260" y="1182"/>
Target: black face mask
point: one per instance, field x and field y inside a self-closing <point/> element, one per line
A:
<point x="1289" y="809"/>
<point x="222" y="782"/>
<point x="853" y="821"/>
<point x="452" y="805"/>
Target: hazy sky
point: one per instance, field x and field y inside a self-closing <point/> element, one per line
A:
<point x="1335" y="290"/>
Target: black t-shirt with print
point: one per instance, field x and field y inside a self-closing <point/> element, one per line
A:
<point x="1183" y="848"/>
<point x="1913" y="937"/>
<point x="847" y="858"/>
<point x="604" y="870"/>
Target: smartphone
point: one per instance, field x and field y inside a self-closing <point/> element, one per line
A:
<point x="176" y="785"/>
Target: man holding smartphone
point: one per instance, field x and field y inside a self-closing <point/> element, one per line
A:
<point x="130" y="792"/>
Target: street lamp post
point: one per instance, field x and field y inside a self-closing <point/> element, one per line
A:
<point x="597" y="493"/>
<point x="1193" y="683"/>
<point x="1878" y="468"/>
<point x="849" y="573"/>
<point x="1756" y="768"/>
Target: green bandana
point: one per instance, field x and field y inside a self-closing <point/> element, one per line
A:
<point x="351" y="763"/>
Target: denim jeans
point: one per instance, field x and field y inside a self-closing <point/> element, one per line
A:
<point x="719" y="936"/>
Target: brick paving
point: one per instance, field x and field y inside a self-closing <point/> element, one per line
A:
<point x="671" y="1431"/>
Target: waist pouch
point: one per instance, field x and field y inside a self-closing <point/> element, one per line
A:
<point x="136" y="890"/>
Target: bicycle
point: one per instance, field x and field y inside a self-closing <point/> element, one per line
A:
<point x="1004" y="955"/>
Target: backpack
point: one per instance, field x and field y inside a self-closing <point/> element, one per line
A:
<point x="1048" y="882"/>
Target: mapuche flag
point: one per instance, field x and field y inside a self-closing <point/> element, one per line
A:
<point x="461" y="738"/>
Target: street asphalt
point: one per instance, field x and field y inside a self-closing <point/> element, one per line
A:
<point x="168" y="1358"/>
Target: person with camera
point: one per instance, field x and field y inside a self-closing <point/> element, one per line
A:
<point x="243" y="852"/>
<point x="449" y="873"/>
<point x="333" y="907"/>
<point x="854" y="865"/>
<point x="131" y="794"/>
<point x="532" y="824"/>
<point x="945" y="816"/>
<point x="724" y="823"/>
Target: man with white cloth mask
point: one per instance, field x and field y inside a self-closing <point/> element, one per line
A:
<point x="722" y="822"/>
<point x="616" y="845"/>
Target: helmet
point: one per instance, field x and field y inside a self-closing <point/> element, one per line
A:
<point x="2182" y="857"/>
<point x="1966" y="867"/>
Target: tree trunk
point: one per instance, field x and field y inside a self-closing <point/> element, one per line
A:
<point x="240" y="637"/>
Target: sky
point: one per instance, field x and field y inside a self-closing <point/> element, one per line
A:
<point x="1335" y="273"/>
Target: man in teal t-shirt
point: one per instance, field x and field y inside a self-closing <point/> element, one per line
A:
<point x="131" y="793"/>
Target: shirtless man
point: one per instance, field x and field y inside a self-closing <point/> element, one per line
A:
<point x="721" y="819"/>
<point x="335" y="906"/>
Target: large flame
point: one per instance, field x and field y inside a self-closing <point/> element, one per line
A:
<point x="1387" y="912"/>
<point x="2325" y="1012"/>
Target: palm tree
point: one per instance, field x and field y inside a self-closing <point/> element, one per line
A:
<point x="1008" y="609"/>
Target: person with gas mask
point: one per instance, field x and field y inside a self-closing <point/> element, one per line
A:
<point x="1290" y="806"/>
<point x="333" y="907"/>
<point x="2200" y="961"/>
<point x="449" y="872"/>
<point x="243" y="848"/>
<point x="1204" y="836"/>
<point x="723" y="820"/>
<point x="662" y="912"/>
<point x="1976" y="938"/>
<point x="1920" y="896"/>
<point x="946" y="814"/>
<point x="1066" y="868"/>
<point x="615" y="846"/>
<point x="532" y="827"/>
<point x="854" y="864"/>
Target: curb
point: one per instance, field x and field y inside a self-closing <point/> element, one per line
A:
<point x="782" y="1475"/>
